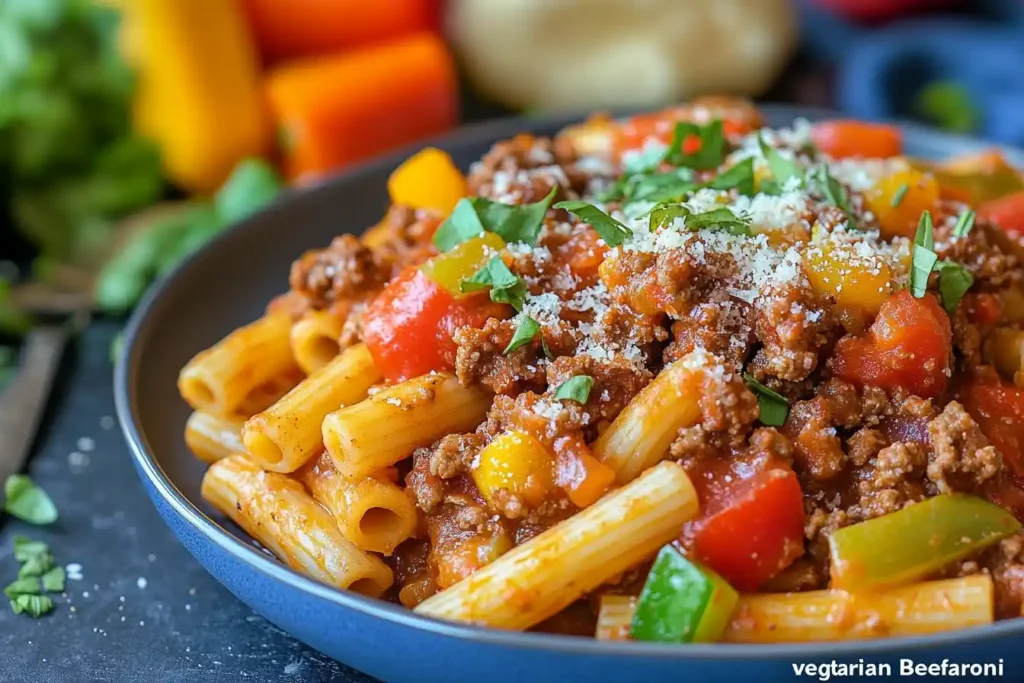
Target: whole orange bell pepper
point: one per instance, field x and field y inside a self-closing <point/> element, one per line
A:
<point x="335" y="110"/>
<point x="285" y="29"/>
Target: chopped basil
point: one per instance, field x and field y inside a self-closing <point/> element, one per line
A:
<point x="661" y="187"/>
<point x="773" y="406"/>
<point x="721" y="218"/>
<point x="739" y="177"/>
<point x="33" y="605"/>
<point x="28" y="585"/>
<point x="53" y="580"/>
<point x="924" y="258"/>
<point x="954" y="281"/>
<point x="524" y="334"/>
<point x="710" y="153"/>
<point x="782" y="169"/>
<point x="664" y="213"/>
<point x="611" y="231"/>
<point x="835" y="194"/>
<point x="575" y="389"/>
<point x="473" y="216"/>
<point x="646" y="161"/>
<point x="964" y="224"/>
<point x="506" y="287"/>
<point x="897" y="198"/>
<point x="462" y="225"/>
<point x="25" y="549"/>
<point x="37" y="565"/>
<point x="28" y="502"/>
<point x="547" y="351"/>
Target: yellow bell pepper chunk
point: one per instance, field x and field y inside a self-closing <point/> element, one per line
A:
<point x="452" y="267"/>
<point x="852" y="280"/>
<point x="921" y="194"/>
<point x="428" y="180"/>
<point x="518" y="463"/>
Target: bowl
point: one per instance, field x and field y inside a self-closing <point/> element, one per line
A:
<point x="227" y="284"/>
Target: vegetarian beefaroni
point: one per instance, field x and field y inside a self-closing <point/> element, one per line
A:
<point x="675" y="378"/>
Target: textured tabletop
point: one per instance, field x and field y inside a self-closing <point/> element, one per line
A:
<point x="144" y="610"/>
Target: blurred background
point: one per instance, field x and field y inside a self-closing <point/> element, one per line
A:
<point x="131" y="131"/>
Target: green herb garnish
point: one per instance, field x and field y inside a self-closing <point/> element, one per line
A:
<point x="463" y="224"/>
<point x="611" y="231"/>
<point x="28" y="502"/>
<point x="524" y="334"/>
<point x="53" y="580"/>
<point x="672" y="185"/>
<point x="782" y="169"/>
<point x="36" y="576"/>
<point x="506" y="287"/>
<point x="28" y="585"/>
<point x="835" y="194"/>
<point x="708" y="156"/>
<point x="575" y="389"/>
<point x="739" y="177"/>
<point x="954" y="281"/>
<point x="721" y="218"/>
<point x="773" y="406"/>
<point x="897" y="198"/>
<point x="924" y="256"/>
<point x="964" y="224"/>
<point x="33" y="605"/>
<point x="472" y="216"/>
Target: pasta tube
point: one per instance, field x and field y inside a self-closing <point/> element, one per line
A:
<point x="243" y="373"/>
<point x="641" y="435"/>
<point x="314" y="340"/>
<point x="374" y="513"/>
<point x="391" y="424"/>
<point x="615" y="617"/>
<point x="275" y="510"/>
<point x="211" y="438"/>
<point x="544" y="575"/>
<point x="287" y="434"/>
<point x="919" y="609"/>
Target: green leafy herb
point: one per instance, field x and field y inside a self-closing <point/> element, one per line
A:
<point x="672" y="185"/>
<point x="25" y="549"/>
<point x="644" y="162"/>
<point x="575" y="389"/>
<point x="773" y="406"/>
<point x="611" y="231"/>
<point x="28" y="502"/>
<point x="897" y="198"/>
<point x="835" y="194"/>
<point x="924" y="258"/>
<point x="739" y="177"/>
<point x="461" y="225"/>
<point x="474" y="215"/>
<point x="954" y="281"/>
<point x="524" y="334"/>
<point x="25" y="586"/>
<point x="547" y="351"/>
<point x="506" y="287"/>
<point x="664" y="213"/>
<point x="782" y="169"/>
<point x="253" y="184"/>
<point x="722" y="219"/>
<point x="37" y="565"/>
<point x="53" y="580"/>
<point x="710" y="153"/>
<point x="964" y="224"/>
<point x="33" y="605"/>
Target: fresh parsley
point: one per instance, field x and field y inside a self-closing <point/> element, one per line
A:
<point x="474" y="215"/>
<point x="773" y="406"/>
<point x="710" y="153"/>
<point x="506" y="287"/>
<point x="954" y="281"/>
<point x="924" y="257"/>
<point x="782" y="169"/>
<point x="898" y="196"/>
<point x="611" y="231"/>
<point x="28" y="502"/>
<point x="524" y="334"/>
<point x="575" y="389"/>
<point x="964" y="224"/>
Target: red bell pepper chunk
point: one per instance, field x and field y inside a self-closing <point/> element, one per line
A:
<point x="753" y="531"/>
<point x="842" y="139"/>
<point x="1006" y="212"/>
<point x="909" y="345"/>
<point x="408" y="328"/>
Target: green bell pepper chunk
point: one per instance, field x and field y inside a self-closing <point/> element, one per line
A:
<point x="682" y="602"/>
<point x="907" y="545"/>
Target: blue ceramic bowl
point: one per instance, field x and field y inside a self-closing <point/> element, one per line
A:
<point x="226" y="285"/>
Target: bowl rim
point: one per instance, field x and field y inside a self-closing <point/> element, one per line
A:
<point x="127" y="371"/>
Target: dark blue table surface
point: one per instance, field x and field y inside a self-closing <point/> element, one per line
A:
<point x="144" y="610"/>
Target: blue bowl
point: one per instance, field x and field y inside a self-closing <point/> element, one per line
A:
<point x="228" y="283"/>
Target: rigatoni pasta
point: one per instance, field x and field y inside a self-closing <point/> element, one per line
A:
<point x="277" y="512"/>
<point x="314" y="339"/>
<point x="286" y="435"/>
<point x="211" y="438"/>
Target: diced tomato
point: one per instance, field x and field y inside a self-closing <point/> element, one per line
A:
<point x="584" y="252"/>
<point x="844" y="138"/>
<point x="660" y="125"/>
<point x="1006" y="212"/>
<point x="909" y="346"/>
<point x="754" y="530"/>
<point x="998" y="409"/>
<point x="983" y="309"/>
<point x="408" y="327"/>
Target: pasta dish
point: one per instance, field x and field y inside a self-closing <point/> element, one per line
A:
<point x="676" y="378"/>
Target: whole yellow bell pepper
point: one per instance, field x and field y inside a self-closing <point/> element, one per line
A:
<point x="199" y="93"/>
